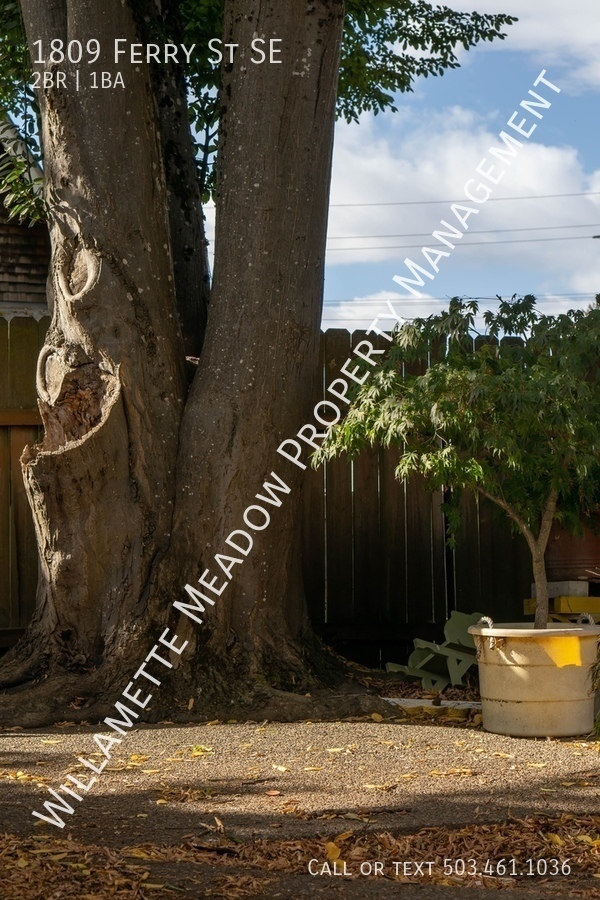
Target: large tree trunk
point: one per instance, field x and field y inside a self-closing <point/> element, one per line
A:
<point x="110" y="377"/>
<point x="102" y="485"/>
<point x="257" y="370"/>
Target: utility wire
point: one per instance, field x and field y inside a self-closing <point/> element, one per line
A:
<point x="561" y="299"/>
<point x="463" y="200"/>
<point x="356" y="237"/>
<point x="578" y="237"/>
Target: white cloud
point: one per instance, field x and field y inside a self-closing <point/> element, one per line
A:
<point x="359" y="313"/>
<point x="429" y="156"/>
<point x="553" y="33"/>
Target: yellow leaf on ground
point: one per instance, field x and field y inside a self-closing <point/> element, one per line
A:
<point x="377" y="717"/>
<point x="333" y="851"/>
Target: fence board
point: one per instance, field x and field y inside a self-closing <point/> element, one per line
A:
<point x="24" y="550"/>
<point x="419" y="562"/>
<point x="503" y="588"/>
<point x="393" y="539"/>
<point x="23" y="342"/>
<point x="366" y="539"/>
<point x="441" y="606"/>
<point x="367" y="572"/>
<point x="338" y="503"/>
<point x="313" y="526"/>
<point x="4" y="527"/>
<point x="4" y="385"/>
<point x="467" y="559"/>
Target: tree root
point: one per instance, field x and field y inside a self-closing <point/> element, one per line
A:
<point x="56" y="699"/>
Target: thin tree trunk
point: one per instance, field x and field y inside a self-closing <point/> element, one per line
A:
<point x="541" y="589"/>
<point x="539" y="562"/>
<point x="537" y="547"/>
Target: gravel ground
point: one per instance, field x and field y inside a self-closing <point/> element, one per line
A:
<point x="296" y="781"/>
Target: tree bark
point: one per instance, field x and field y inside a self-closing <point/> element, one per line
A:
<point x="257" y="370"/>
<point x="542" y="609"/>
<point x="116" y="458"/>
<point x="110" y="376"/>
<point x="189" y="248"/>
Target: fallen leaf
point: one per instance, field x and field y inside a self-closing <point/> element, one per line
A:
<point x="344" y="836"/>
<point x="333" y="851"/>
<point x="377" y="717"/>
<point x="272" y="793"/>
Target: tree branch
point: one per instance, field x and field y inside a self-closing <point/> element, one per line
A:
<point x="514" y="515"/>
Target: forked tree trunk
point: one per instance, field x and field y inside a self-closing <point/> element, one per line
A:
<point x="102" y="485"/>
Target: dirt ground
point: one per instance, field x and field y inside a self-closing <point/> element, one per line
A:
<point x="424" y="803"/>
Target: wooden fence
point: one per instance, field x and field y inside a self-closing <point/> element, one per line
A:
<point x="21" y="339"/>
<point x="376" y="565"/>
<point x="377" y="568"/>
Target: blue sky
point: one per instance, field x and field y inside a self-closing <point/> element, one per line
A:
<point x="428" y="150"/>
<point x="433" y="144"/>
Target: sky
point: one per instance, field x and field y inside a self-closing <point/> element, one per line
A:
<point x="433" y="145"/>
<point x="392" y="166"/>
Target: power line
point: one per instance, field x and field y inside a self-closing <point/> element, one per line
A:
<point x="578" y="237"/>
<point x="584" y="298"/>
<point x="462" y="200"/>
<point x="356" y="237"/>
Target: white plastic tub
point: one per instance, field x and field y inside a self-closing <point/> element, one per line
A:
<point x="536" y="682"/>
